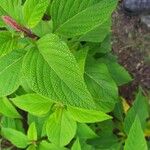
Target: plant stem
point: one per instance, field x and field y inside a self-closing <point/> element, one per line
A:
<point x="12" y="23"/>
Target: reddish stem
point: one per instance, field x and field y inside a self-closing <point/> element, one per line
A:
<point x="12" y="23"/>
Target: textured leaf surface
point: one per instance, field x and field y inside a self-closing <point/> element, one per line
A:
<point x="118" y="73"/>
<point x="33" y="103"/>
<point x="15" y="137"/>
<point x="2" y="24"/>
<point x="61" y="128"/>
<point x="101" y="86"/>
<point x="12" y="8"/>
<point x="7" y="109"/>
<point x="87" y="116"/>
<point x="76" y="17"/>
<point x="139" y="109"/>
<point x="10" y="72"/>
<point x="81" y="56"/>
<point x="136" y="140"/>
<point x="33" y="11"/>
<point x="98" y="34"/>
<point x="7" y="42"/>
<point x="43" y="28"/>
<point x="55" y="73"/>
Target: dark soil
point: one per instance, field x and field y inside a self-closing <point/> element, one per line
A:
<point x="131" y="43"/>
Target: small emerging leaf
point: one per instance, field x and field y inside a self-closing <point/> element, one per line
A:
<point x="32" y="132"/>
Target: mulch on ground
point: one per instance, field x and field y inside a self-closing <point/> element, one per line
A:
<point x="131" y="43"/>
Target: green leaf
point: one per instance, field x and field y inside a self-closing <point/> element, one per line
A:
<point x="7" y="109"/>
<point x="148" y="144"/>
<point x="136" y="138"/>
<point x="33" y="11"/>
<point x="106" y="46"/>
<point x="32" y="132"/>
<point x="87" y="116"/>
<point x="76" y="145"/>
<point x="81" y="56"/>
<point x="119" y="110"/>
<point x="139" y="109"/>
<point x="15" y="137"/>
<point x="40" y="123"/>
<point x="49" y="146"/>
<point x="105" y="141"/>
<point x="31" y="147"/>
<point x="33" y="103"/>
<point x="8" y="42"/>
<point x="100" y="49"/>
<point x="55" y="73"/>
<point x="12" y="123"/>
<point x="80" y="17"/>
<point x="101" y="85"/>
<point x="61" y="128"/>
<point x="10" y="72"/>
<point x="12" y="8"/>
<point x="43" y="28"/>
<point x="2" y="24"/>
<point x="98" y="34"/>
<point x="85" y="146"/>
<point x="85" y="132"/>
<point x="118" y="73"/>
<point x="106" y="127"/>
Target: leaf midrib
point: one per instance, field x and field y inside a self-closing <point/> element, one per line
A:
<point x="57" y="30"/>
<point x="73" y="17"/>
<point x="65" y="81"/>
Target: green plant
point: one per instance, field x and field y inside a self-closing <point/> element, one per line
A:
<point x="58" y="78"/>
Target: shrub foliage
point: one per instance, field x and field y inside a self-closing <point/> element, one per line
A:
<point x="59" y="79"/>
